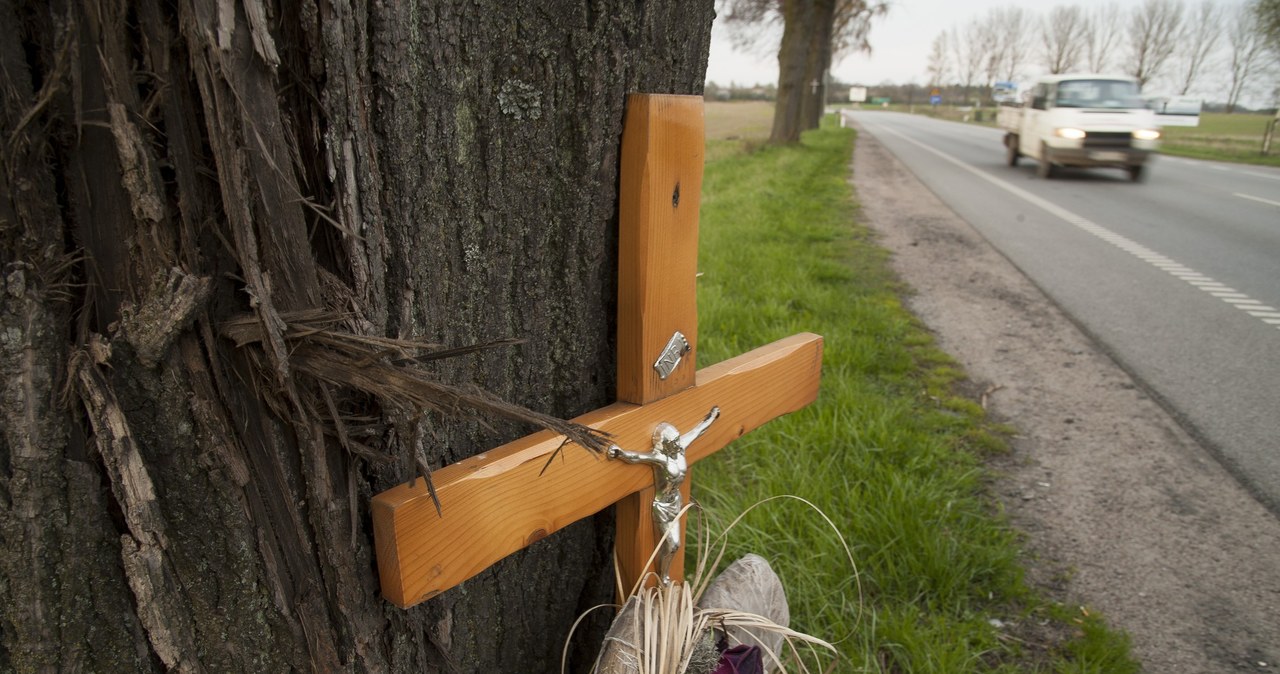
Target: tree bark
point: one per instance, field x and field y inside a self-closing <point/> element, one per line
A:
<point x="818" y="64"/>
<point x="803" y="59"/>
<point x="200" y="198"/>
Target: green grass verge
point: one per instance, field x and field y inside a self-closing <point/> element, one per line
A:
<point x="1223" y="137"/>
<point x="889" y="451"/>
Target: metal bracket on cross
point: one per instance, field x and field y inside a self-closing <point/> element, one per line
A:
<point x="501" y="501"/>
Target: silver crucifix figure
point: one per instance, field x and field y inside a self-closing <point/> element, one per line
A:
<point x="669" y="470"/>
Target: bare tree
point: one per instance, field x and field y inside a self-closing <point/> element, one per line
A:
<point x="1203" y="32"/>
<point x="1102" y="36"/>
<point x="803" y="58"/>
<point x="939" y="67"/>
<point x="987" y="42"/>
<point x="852" y="25"/>
<point x="1247" y="47"/>
<point x="1013" y="26"/>
<point x="1155" y="32"/>
<point x="1063" y="32"/>
<point x="1267" y="14"/>
<point x="967" y="48"/>
<point x="814" y="32"/>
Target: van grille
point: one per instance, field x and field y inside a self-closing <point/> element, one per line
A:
<point x="1107" y="139"/>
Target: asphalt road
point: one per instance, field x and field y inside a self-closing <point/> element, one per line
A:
<point x="1178" y="278"/>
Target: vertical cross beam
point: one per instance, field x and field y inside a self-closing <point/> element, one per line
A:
<point x="660" y="190"/>
<point x="500" y="501"/>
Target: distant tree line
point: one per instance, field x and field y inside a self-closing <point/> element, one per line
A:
<point x="1221" y="52"/>
<point x="735" y="91"/>
<point x="1209" y="48"/>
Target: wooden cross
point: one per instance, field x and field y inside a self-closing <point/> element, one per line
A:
<point x="501" y="501"/>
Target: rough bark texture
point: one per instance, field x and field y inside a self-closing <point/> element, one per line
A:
<point x="342" y="178"/>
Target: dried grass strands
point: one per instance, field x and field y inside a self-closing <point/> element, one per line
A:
<point x="315" y="327"/>
<point x="380" y="366"/>
<point x="413" y="387"/>
<point x="669" y="623"/>
<point x="668" y="627"/>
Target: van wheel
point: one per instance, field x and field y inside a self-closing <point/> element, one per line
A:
<point x="1137" y="173"/>
<point x="1011" y="149"/>
<point x="1046" y="169"/>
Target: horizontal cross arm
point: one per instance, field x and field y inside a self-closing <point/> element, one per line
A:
<point x="498" y="502"/>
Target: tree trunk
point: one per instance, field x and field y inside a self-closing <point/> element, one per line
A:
<point x="803" y="59"/>
<point x="818" y="64"/>
<point x="208" y="211"/>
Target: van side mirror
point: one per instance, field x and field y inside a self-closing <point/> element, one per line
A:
<point x="1038" y="102"/>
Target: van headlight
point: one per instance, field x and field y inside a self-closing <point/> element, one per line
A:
<point x="1147" y="134"/>
<point x="1069" y="133"/>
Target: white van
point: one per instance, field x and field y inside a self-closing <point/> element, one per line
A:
<point x="1082" y="120"/>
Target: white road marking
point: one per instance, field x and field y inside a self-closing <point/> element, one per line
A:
<point x="1258" y="199"/>
<point x="1120" y="241"/>
<point x="1218" y="167"/>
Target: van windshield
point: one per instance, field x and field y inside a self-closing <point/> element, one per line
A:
<point x="1111" y="94"/>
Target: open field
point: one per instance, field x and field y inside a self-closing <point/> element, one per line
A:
<point x="1236" y="137"/>
<point x="733" y="127"/>
<point x="890" y="451"/>
<point x="736" y="121"/>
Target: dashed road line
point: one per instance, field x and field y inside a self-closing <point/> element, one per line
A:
<point x="1218" y="167"/>
<point x="1192" y="277"/>
<point x="1258" y="199"/>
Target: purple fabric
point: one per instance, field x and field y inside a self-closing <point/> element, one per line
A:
<point x="741" y="659"/>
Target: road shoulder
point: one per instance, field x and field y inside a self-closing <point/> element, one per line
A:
<point x="1122" y="509"/>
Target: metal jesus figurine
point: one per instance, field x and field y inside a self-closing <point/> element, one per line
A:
<point x="669" y="470"/>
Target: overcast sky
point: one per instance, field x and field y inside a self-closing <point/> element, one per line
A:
<point x="900" y="42"/>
